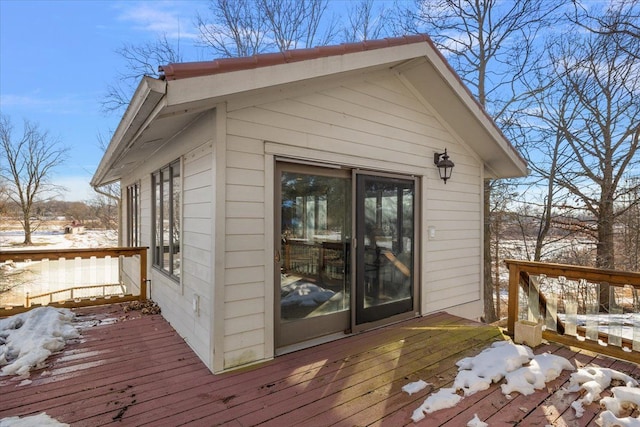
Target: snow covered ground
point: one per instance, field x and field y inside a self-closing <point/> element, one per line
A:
<point x="523" y="372"/>
<point x="26" y="341"/>
<point x="56" y="239"/>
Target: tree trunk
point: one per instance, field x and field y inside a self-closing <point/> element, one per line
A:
<point x="605" y="248"/>
<point x="489" y="310"/>
<point x="27" y="230"/>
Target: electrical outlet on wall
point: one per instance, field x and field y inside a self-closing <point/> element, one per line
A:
<point x="196" y="304"/>
<point x="432" y="232"/>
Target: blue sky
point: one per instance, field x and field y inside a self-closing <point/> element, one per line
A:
<point x="57" y="59"/>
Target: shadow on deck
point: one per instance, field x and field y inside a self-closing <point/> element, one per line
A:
<point x="133" y="370"/>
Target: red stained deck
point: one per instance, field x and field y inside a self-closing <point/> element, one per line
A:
<point x="129" y="370"/>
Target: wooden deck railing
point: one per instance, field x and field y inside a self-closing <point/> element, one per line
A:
<point x="598" y="310"/>
<point x="74" y="274"/>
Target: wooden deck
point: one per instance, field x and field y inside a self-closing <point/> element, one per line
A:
<point x="132" y="370"/>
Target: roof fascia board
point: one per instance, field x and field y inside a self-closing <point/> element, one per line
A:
<point x="218" y="86"/>
<point x="147" y="96"/>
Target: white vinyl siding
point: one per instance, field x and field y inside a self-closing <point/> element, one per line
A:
<point x="375" y="124"/>
<point x="195" y="148"/>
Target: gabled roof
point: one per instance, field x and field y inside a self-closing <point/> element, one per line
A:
<point x="161" y="108"/>
<point x="226" y="65"/>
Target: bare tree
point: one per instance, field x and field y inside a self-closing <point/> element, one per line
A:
<point x="622" y="20"/>
<point x="249" y="27"/>
<point x="141" y="60"/>
<point x="106" y="203"/>
<point x="296" y="23"/>
<point x="29" y="162"/>
<point x="234" y="28"/>
<point x="546" y="152"/>
<point x="4" y="195"/>
<point x="601" y="127"/>
<point x="364" y="21"/>
<point x="105" y="209"/>
<point x="491" y="44"/>
<point x="629" y="242"/>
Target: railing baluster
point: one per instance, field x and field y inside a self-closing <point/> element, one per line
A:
<point x="107" y="270"/>
<point x="77" y="268"/>
<point x="616" y="296"/>
<point x="534" y="299"/>
<point x="46" y="277"/>
<point x="552" y="312"/>
<point x="62" y="273"/>
<point x="636" y="332"/>
<point x="592" y="309"/>
<point x="571" y="312"/>
<point x="92" y="271"/>
<point x="635" y="319"/>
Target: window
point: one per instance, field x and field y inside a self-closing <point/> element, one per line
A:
<point x="166" y="229"/>
<point x="133" y="215"/>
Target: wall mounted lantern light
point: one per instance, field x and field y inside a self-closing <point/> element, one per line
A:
<point x="445" y="166"/>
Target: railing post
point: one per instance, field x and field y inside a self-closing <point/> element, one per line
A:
<point x="512" y="309"/>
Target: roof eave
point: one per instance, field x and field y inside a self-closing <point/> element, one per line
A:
<point x="148" y="94"/>
<point x="507" y="163"/>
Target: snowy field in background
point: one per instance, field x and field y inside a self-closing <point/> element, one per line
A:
<point x="57" y="239"/>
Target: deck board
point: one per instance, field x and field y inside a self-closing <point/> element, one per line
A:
<point x="133" y="370"/>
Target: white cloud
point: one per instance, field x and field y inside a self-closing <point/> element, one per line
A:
<point x="172" y="19"/>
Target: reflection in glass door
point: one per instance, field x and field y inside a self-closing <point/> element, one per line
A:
<point x="314" y="225"/>
<point x="385" y="247"/>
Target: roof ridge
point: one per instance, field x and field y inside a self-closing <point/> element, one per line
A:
<point x="175" y="71"/>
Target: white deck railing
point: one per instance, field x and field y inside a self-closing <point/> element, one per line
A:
<point x="73" y="277"/>
<point x="595" y="309"/>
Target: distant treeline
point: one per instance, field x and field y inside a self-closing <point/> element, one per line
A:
<point x="100" y="213"/>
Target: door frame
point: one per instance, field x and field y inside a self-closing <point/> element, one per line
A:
<point x="415" y="311"/>
<point x="338" y="171"/>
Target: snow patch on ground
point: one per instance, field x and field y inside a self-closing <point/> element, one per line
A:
<point x="27" y="339"/>
<point x="40" y="420"/>
<point x="524" y="373"/>
<point x="592" y="381"/>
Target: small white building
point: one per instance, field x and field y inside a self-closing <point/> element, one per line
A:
<point x="293" y="198"/>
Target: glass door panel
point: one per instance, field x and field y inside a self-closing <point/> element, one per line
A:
<point x="385" y="247"/>
<point x="313" y="288"/>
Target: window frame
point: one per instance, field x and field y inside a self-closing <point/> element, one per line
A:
<point x="167" y="219"/>
<point x="133" y="215"/>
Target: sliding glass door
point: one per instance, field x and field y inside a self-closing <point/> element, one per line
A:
<point x="313" y="296"/>
<point x="317" y="293"/>
<point x="386" y="237"/>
